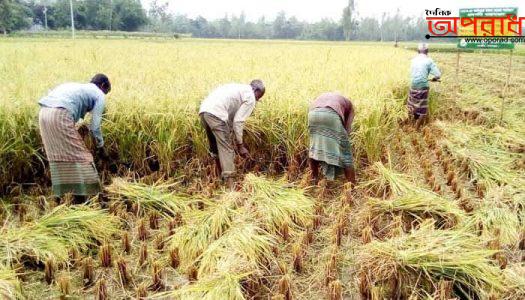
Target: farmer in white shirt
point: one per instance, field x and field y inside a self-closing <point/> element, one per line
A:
<point x="223" y="111"/>
<point x="422" y="66"/>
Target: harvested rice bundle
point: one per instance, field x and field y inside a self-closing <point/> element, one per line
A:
<point x="9" y="284"/>
<point x="244" y="248"/>
<point x="220" y="286"/>
<point x="202" y="227"/>
<point x="277" y="203"/>
<point x="513" y="197"/>
<point x="425" y="256"/>
<point x="486" y="168"/>
<point x="54" y="234"/>
<point x="483" y="152"/>
<point x="497" y="136"/>
<point x="218" y="215"/>
<point x="515" y="281"/>
<point x="69" y="222"/>
<point x="446" y="213"/>
<point x="230" y="236"/>
<point x="388" y="182"/>
<point x="496" y="219"/>
<point x="150" y="197"/>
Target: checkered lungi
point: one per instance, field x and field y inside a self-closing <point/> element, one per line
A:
<point x="418" y="102"/>
<point x="329" y="142"/>
<point x="70" y="162"/>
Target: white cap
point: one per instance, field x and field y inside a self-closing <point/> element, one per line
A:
<point x="422" y="46"/>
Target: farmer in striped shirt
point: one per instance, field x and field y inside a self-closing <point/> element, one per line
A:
<point x="224" y="112"/>
<point x="70" y="162"/>
<point x="422" y="66"/>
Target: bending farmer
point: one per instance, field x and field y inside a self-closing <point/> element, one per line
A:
<point x="223" y="111"/>
<point x="70" y="162"/>
<point x="329" y="125"/>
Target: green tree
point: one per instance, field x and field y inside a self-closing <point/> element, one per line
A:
<point x="369" y="30"/>
<point x="61" y="14"/>
<point x="238" y="24"/>
<point x="14" y="15"/>
<point x="279" y="25"/>
<point x="159" y="17"/>
<point x="97" y="14"/>
<point x="181" y="24"/>
<point x="263" y="29"/>
<point x="129" y="15"/>
<point x="225" y="27"/>
<point x="326" y="29"/>
<point x="347" y="20"/>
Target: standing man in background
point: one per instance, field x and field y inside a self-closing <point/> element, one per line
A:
<point x="70" y="162"/>
<point x="223" y="111"/>
<point x="422" y="66"/>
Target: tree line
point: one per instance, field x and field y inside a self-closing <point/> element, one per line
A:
<point x="125" y="15"/>
<point x="130" y="15"/>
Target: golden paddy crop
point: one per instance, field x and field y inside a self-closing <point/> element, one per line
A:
<point x="158" y="86"/>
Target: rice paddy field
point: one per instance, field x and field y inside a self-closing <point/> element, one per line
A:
<point x="437" y="213"/>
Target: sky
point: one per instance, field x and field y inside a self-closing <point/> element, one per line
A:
<point x="311" y="10"/>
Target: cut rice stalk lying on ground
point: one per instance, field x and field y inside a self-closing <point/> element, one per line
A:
<point x="245" y="246"/>
<point x="230" y="236"/>
<point x="54" y="234"/>
<point x="419" y="260"/>
<point x="221" y="286"/>
<point x="496" y="137"/>
<point x="278" y="204"/>
<point x="515" y="281"/>
<point x="513" y="197"/>
<point x="445" y="212"/>
<point x="9" y="284"/>
<point x="489" y="169"/>
<point x="497" y="221"/>
<point x="204" y="226"/>
<point x="149" y="198"/>
<point x="483" y="152"/>
<point x="386" y="181"/>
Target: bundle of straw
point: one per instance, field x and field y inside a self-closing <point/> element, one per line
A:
<point x="203" y="227"/>
<point x="222" y="286"/>
<point x="423" y="257"/>
<point x="497" y="220"/>
<point x="515" y="281"/>
<point x="150" y="197"/>
<point x="485" y="153"/>
<point x="232" y="238"/>
<point x="420" y="206"/>
<point x="388" y="182"/>
<point x="277" y="204"/>
<point x="54" y="234"/>
<point x="9" y="284"/>
<point x="244" y="248"/>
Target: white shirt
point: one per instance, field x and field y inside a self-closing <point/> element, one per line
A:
<point x="233" y="103"/>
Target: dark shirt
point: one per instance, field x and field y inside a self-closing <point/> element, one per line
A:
<point x="341" y="105"/>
